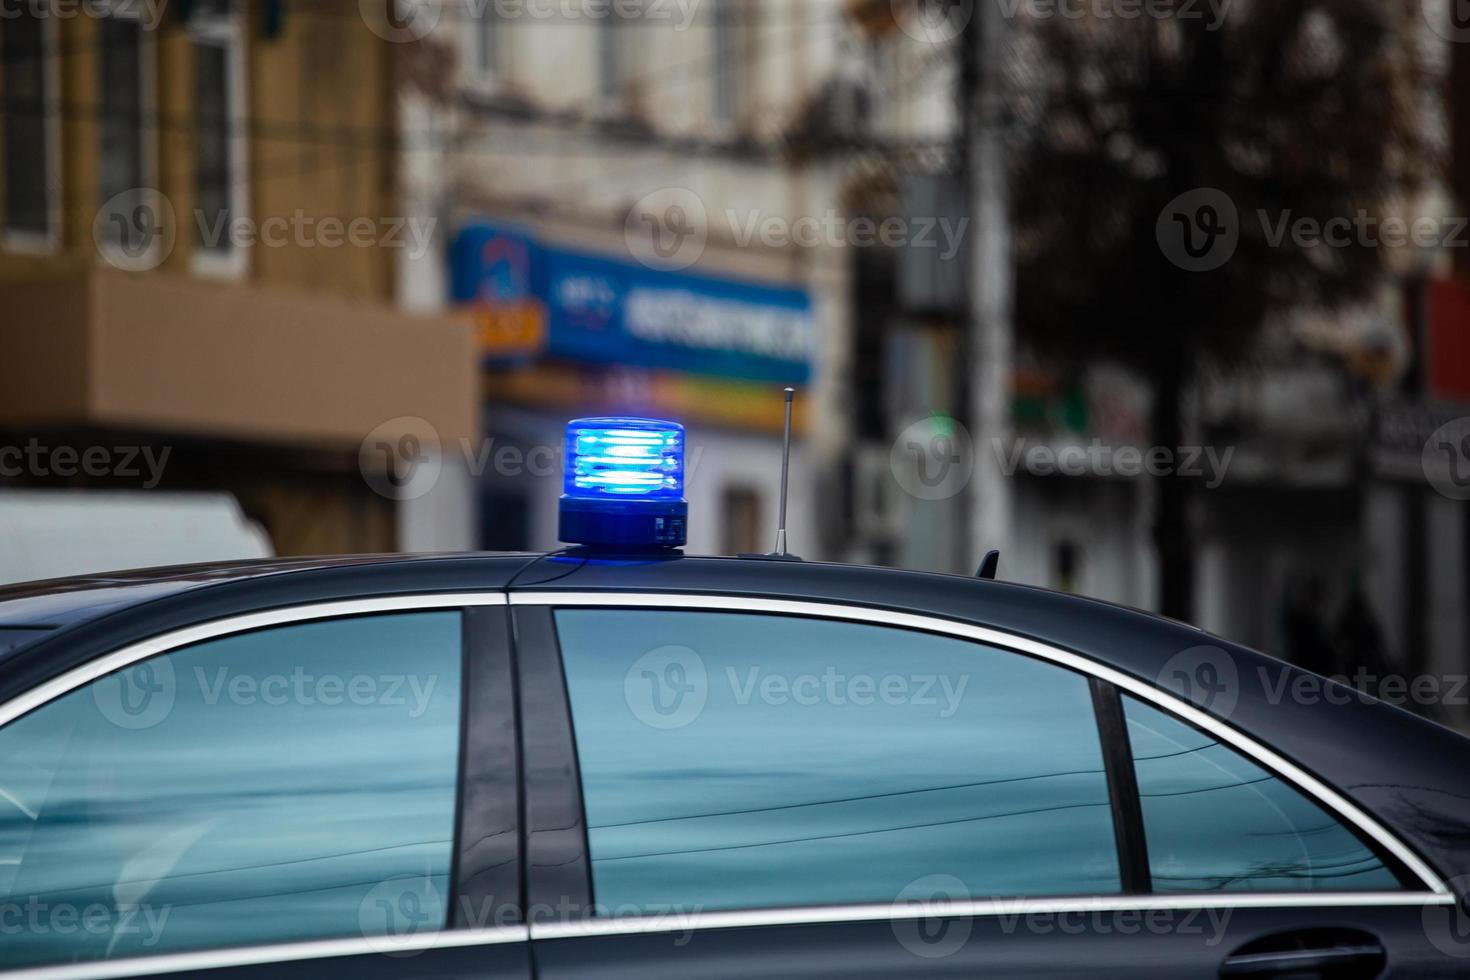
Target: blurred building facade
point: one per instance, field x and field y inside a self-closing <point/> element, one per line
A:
<point x="600" y="176"/>
<point x="1321" y="537"/>
<point x="196" y="202"/>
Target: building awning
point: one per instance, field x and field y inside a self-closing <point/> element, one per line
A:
<point x="232" y="361"/>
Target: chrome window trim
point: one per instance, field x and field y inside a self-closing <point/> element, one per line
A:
<point x="1438" y="892"/>
<point x="900" y="911"/>
<point x="23" y="704"/>
<point x="216" y="959"/>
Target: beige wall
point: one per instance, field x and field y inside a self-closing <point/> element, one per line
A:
<point x="261" y="392"/>
<point x="166" y="354"/>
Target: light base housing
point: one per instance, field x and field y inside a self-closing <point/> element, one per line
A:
<point x="630" y="525"/>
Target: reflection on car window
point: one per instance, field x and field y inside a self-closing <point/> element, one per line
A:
<point x="287" y="784"/>
<point x="744" y="761"/>
<point x="1215" y="821"/>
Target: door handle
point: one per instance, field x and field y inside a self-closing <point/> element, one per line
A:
<point x="1305" y="962"/>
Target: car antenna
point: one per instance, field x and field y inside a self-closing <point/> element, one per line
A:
<point x="989" y="565"/>
<point x="781" y="551"/>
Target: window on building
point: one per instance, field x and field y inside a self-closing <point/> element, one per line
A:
<point x="267" y="787"/>
<point x="611" y="67"/>
<point x="483" y="42"/>
<point x="737" y="760"/>
<point x="1066" y="561"/>
<point x="740" y="526"/>
<point x="220" y="139"/>
<point x="32" y="169"/>
<point x="730" y="61"/>
<point x="126" y="161"/>
<point x="1214" y="821"/>
<point x="505" y="520"/>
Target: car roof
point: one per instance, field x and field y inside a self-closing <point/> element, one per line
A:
<point x="59" y="602"/>
<point x="159" y="598"/>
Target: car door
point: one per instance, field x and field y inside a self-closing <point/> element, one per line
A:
<point x="762" y="788"/>
<point x="293" y="793"/>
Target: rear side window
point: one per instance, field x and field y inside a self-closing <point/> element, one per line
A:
<point x="1215" y="821"/>
<point x="744" y="761"/>
<point x="288" y="784"/>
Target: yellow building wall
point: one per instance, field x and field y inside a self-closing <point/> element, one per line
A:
<point x="321" y="144"/>
<point x="319" y="117"/>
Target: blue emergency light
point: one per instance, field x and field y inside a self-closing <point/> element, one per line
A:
<point x="624" y="484"/>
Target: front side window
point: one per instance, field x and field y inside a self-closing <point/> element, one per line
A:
<point x="288" y="784"/>
<point x="736" y="760"/>
<point x="1215" y="821"/>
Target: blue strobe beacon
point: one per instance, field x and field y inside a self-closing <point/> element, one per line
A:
<point x="624" y="485"/>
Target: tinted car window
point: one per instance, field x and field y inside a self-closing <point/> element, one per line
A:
<point x="287" y="784"/>
<point x="1215" y="821"/>
<point x="740" y="761"/>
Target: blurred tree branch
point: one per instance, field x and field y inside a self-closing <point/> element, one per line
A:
<point x="1291" y="108"/>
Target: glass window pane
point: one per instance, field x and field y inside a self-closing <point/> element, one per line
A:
<point x="729" y="68"/>
<point x="253" y="789"/>
<point x="1215" y="821"/>
<point x="610" y="58"/>
<point x="121" y="166"/>
<point x="121" y="84"/>
<point x="743" y="761"/>
<point x="487" y="42"/>
<point x="27" y="152"/>
<point x="213" y="174"/>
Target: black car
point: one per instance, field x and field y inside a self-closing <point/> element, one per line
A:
<point x="583" y="765"/>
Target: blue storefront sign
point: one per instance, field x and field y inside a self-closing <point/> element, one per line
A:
<point x="608" y="310"/>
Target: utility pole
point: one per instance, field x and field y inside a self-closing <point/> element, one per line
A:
<point x="992" y="283"/>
